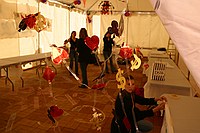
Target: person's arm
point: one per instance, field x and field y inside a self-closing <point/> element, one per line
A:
<point x="66" y="41"/>
<point x="145" y="101"/>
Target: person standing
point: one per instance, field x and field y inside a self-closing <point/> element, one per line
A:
<point x="84" y="56"/>
<point x="73" y="55"/>
<point x="107" y="51"/>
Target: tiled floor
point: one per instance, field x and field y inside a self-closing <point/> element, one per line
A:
<point x="24" y="110"/>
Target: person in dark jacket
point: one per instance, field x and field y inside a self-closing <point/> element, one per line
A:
<point x="107" y="51"/>
<point x="84" y="56"/>
<point x="73" y="56"/>
<point x="127" y="121"/>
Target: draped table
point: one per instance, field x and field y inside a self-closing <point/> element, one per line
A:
<point x="182" y="114"/>
<point x="175" y="82"/>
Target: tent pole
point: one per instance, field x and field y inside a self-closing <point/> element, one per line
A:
<point x="38" y="51"/>
<point x="127" y="23"/>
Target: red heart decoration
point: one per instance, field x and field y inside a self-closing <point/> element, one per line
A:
<point x="55" y="111"/>
<point x="126" y="52"/>
<point x="48" y="74"/>
<point x="92" y="42"/>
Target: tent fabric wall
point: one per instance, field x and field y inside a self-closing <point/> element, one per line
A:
<point x="182" y="21"/>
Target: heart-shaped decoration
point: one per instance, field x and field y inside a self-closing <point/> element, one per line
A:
<point x="55" y="111"/>
<point x="92" y="42"/>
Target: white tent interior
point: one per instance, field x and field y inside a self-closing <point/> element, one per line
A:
<point x="143" y="28"/>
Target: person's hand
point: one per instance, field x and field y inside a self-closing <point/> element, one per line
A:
<point x="160" y="106"/>
<point x="162" y="98"/>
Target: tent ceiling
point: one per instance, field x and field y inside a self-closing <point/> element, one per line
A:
<point x="93" y="5"/>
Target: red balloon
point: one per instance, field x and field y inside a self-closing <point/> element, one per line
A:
<point x="126" y="52"/>
<point x="48" y="74"/>
<point x="92" y="42"/>
<point x="55" y="111"/>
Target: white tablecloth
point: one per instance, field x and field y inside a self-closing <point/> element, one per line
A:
<point x="158" y="54"/>
<point x="182" y="114"/>
<point x="174" y="83"/>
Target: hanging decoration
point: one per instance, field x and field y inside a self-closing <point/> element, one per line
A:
<point x="36" y="21"/>
<point x="22" y="25"/>
<point x="89" y="17"/>
<point x="136" y="63"/>
<point x="126" y="52"/>
<point x="92" y="42"/>
<point x="58" y="54"/>
<point x="49" y="74"/>
<point x="77" y="2"/>
<point x="30" y="20"/>
<point x="127" y="13"/>
<point x="121" y="79"/>
<point x="40" y="23"/>
<point x="27" y="21"/>
<point x="106" y="7"/>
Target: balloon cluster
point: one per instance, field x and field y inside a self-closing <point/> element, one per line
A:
<point x="36" y="21"/>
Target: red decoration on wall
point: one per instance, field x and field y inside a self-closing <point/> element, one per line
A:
<point x="126" y="52"/>
<point x="106" y="7"/>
